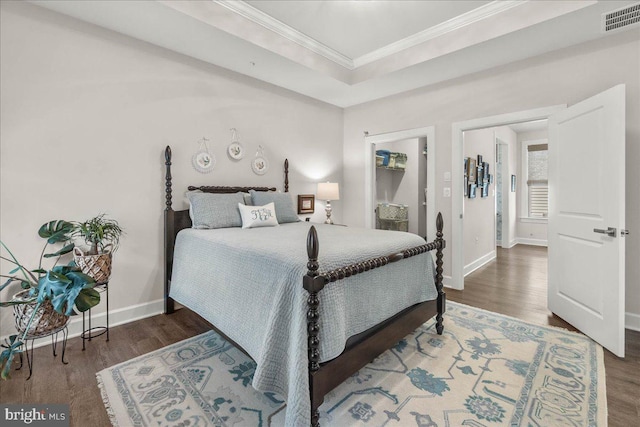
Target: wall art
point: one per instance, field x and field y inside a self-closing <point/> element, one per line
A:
<point x="260" y="164"/>
<point x="202" y="160"/>
<point x="235" y="149"/>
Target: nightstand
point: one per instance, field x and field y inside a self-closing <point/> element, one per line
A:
<point x="341" y="225"/>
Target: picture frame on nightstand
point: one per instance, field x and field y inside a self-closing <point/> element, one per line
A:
<point x="306" y="203"/>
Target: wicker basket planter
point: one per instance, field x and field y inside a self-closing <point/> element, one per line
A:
<point x="96" y="266"/>
<point x="46" y="321"/>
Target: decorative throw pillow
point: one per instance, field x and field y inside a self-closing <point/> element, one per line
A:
<point x="258" y="216"/>
<point x="209" y="210"/>
<point x="284" y="205"/>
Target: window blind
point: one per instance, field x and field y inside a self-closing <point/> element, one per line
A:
<point x="538" y="201"/>
<point x="537" y="181"/>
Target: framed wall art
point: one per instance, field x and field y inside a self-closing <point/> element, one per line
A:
<point x="485" y="190"/>
<point x="235" y="149"/>
<point x="476" y="177"/>
<point x="260" y="164"/>
<point x="203" y="161"/>
<point x="471" y="170"/>
<point x="306" y="203"/>
<point x="472" y="190"/>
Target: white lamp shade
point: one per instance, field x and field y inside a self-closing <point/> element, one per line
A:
<point x="328" y="191"/>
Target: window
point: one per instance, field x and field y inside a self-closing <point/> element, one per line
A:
<point x="535" y="155"/>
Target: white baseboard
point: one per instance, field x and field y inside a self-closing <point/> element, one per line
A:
<point x="470" y="268"/>
<point x="447" y="282"/>
<point x="632" y="321"/>
<point x="534" y="242"/>
<point x="511" y="244"/>
<point x="506" y="246"/>
<point x="116" y="317"/>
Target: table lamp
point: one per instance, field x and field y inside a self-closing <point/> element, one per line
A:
<point x="328" y="191"/>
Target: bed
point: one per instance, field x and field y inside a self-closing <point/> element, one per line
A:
<point x="306" y="338"/>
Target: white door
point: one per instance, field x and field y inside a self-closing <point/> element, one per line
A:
<point x="586" y="217"/>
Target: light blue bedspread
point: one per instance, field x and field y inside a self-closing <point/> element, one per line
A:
<point x="248" y="283"/>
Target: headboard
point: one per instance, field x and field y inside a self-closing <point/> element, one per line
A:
<point x="174" y="221"/>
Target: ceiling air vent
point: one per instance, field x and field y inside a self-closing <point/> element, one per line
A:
<point x="621" y="18"/>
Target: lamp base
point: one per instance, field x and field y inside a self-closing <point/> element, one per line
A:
<point x="327" y="209"/>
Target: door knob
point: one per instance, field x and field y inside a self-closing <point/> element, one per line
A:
<point x="610" y="231"/>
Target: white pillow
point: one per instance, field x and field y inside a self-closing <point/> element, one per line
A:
<point x="258" y="216"/>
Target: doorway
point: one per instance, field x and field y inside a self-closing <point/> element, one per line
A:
<point x="425" y="143"/>
<point x="401" y="183"/>
<point x="492" y="221"/>
<point x="457" y="193"/>
<point x="586" y="251"/>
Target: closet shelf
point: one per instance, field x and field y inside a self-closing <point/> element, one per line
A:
<point x="391" y="168"/>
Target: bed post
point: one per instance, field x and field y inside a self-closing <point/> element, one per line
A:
<point x="169" y="233"/>
<point x="441" y="244"/>
<point x="286" y="175"/>
<point x="313" y="283"/>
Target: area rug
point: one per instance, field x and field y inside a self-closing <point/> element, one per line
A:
<point x="485" y="370"/>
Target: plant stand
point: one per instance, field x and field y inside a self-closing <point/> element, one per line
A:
<point x="54" y="344"/>
<point x="95" y="331"/>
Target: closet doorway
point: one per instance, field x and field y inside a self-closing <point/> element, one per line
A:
<point x="412" y="186"/>
<point x="401" y="186"/>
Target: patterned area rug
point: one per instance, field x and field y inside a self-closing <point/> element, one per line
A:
<point x="485" y="370"/>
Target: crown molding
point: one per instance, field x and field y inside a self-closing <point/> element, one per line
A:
<point x="282" y="29"/>
<point x="483" y="12"/>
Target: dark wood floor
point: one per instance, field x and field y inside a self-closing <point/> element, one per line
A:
<point x="515" y="285"/>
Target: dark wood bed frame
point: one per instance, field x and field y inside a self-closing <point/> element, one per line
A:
<point x="360" y="349"/>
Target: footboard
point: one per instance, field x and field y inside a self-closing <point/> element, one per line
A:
<point x="324" y="377"/>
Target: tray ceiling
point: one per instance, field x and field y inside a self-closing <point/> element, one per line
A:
<point x="350" y="52"/>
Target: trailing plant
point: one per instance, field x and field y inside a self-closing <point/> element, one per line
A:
<point x="65" y="286"/>
<point x="98" y="233"/>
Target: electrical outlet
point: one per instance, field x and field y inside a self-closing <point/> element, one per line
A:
<point x="446" y="192"/>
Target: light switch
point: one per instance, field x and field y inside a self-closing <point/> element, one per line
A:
<point x="447" y="177"/>
<point x="446" y="192"/>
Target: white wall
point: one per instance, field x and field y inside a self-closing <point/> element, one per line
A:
<point x="83" y="108"/>
<point x="86" y="114"/>
<point x="527" y="231"/>
<point x="563" y="77"/>
<point x="479" y="232"/>
<point x="508" y="136"/>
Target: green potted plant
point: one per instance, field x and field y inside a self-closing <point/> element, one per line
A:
<point x="102" y="235"/>
<point x="48" y="296"/>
